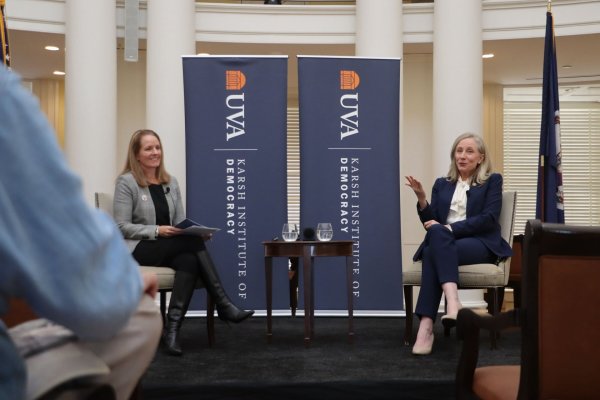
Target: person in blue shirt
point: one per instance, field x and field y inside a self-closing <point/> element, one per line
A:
<point x="462" y="228"/>
<point x="67" y="260"/>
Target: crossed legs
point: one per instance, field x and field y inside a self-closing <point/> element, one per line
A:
<point x="441" y="257"/>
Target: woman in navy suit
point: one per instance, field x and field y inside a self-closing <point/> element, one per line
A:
<point x="147" y="205"/>
<point x="462" y="228"/>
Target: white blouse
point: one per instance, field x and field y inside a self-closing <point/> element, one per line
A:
<point x="458" y="205"/>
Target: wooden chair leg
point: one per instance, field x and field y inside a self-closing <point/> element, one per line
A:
<point x="517" y="295"/>
<point x="163" y="304"/>
<point x="494" y="309"/>
<point x="500" y="298"/>
<point x="446" y="329"/>
<point x="408" y="322"/>
<point x="210" y="320"/>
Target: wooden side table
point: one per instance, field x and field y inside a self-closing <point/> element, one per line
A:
<point x="307" y="250"/>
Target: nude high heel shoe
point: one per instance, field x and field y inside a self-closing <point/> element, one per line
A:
<point x="423" y="350"/>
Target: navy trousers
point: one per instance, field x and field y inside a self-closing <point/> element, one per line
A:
<point x="442" y="255"/>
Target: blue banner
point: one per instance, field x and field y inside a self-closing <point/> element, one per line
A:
<point x="550" y="199"/>
<point x="349" y="148"/>
<point x="236" y="126"/>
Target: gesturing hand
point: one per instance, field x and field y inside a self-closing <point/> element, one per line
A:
<point x="417" y="187"/>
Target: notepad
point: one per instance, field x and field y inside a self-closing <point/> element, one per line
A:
<point x="191" y="227"/>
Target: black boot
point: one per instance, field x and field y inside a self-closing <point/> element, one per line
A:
<point x="183" y="289"/>
<point x="225" y="308"/>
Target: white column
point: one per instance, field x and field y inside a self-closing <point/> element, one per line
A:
<point x="171" y="34"/>
<point x="379" y="28"/>
<point x="457" y="75"/>
<point x="91" y="93"/>
<point x="457" y="86"/>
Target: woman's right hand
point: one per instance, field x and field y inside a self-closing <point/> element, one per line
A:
<point x="417" y="187"/>
<point x="168" y="231"/>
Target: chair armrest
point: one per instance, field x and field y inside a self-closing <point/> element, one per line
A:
<point x="468" y="325"/>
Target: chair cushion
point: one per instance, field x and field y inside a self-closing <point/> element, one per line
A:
<point x="497" y="382"/>
<point x="478" y="275"/>
<point x="166" y="276"/>
<point x="411" y="273"/>
<point x="472" y="275"/>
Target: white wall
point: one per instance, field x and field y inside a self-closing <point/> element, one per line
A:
<point x="415" y="145"/>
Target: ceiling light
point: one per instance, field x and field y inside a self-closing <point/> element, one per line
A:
<point x="52" y="48"/>
<point x="488" y="55"/>
<point x="60" y="73"/>
<point x="567" y="66"/>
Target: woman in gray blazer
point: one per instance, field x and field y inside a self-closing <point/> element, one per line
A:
<point x="147" y="206"/>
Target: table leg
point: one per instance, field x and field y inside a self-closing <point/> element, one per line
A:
<point x="306" y="261"/>
<point x="269" y="286"/>
<point x="293" y="275"/>
<point x="312" y="298"/>
<point x="350" y="298"/>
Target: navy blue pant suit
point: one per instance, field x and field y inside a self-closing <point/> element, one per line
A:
<point x="476" y="239"/>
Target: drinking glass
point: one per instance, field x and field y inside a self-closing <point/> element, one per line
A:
<point x="289" y="232"/>
<point x="324" y="231"/>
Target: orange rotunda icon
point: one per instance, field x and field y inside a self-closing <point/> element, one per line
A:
<point x="349" y="80"/>
<point x="234" y="80"/>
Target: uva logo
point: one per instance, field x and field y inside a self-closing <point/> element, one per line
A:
<point x="235" y="121"/>
<point x="349" y="81"/>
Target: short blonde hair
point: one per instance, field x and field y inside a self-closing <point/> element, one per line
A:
<point x="483" y="170"/>
<point x="133" y="165"/>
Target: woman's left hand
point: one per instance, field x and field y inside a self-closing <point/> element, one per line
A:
<point x="168" y="231"/>
<point x="428" y="224"/>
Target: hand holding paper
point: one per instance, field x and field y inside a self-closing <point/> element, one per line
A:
<point x="190" y="227"/>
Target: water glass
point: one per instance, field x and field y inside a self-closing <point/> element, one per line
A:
<point x="324" y="231"/>
<point x="289" y="232"/>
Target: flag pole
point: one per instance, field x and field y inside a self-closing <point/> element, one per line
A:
<point x="542" y="169"/>
<point x="542" y="188"/>
<point x="4" y="52"/>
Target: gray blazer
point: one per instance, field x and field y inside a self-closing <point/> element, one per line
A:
<point x="134" y="212"/>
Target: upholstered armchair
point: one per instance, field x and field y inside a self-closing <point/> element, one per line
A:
<point x="560" y="326"/>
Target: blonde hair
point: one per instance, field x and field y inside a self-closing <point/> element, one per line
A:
<point x="483" y="170"/>
<point x="133" y="165"/>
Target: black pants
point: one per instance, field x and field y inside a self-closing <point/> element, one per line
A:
<point x="177" y="252"/>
